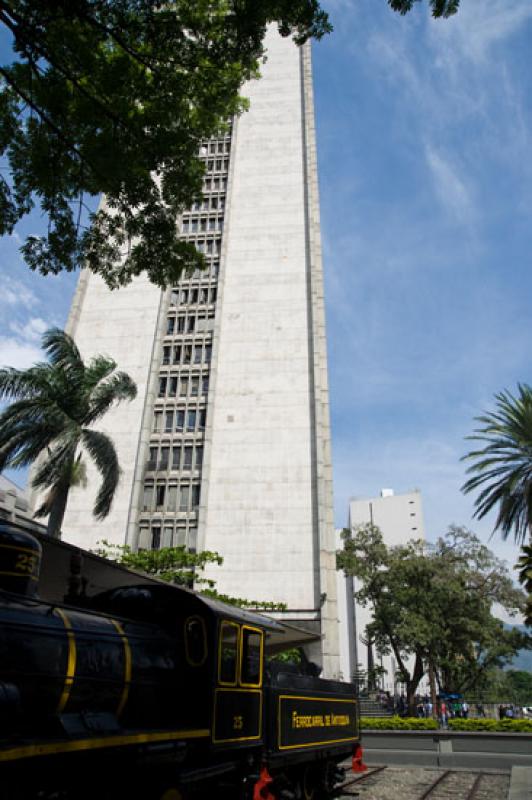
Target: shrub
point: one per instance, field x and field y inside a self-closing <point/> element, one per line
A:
<point x="398" y="724"/>
<point x="495" y="725"/>
<point x="458" y="724"/>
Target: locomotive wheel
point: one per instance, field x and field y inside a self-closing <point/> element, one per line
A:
<point x="307" y="785"/>
<point x="171" y="794"/>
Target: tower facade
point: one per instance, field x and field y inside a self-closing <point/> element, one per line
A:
<point x="227" y="445"/>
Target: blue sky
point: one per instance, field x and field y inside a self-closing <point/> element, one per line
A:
<point x="424" y="142"/>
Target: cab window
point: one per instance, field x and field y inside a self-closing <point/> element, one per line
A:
<point x="195" y="641"/>
<point x="251" y="674"/>
<point x="228" y="654"/>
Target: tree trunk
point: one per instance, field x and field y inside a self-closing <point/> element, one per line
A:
<point x="432" y="683"/>
<point x="412" y="684"/>
<point x="57" y="513"/>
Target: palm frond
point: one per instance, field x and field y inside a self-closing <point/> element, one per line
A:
<point x="101" y="448"/>
<point x="62" y="351"/>
<point x="56" y="469"/>
<point x="502" y="469"/>
<point x="117" y="388"/>
<point x="16" y="383"/>
<point x="98" y="369"/>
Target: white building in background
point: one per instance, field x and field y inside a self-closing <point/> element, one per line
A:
<point x="227" y="445"/>
<point x="400" y="518"/>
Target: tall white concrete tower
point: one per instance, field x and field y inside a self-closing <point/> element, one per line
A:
<point x="227" y="444"/>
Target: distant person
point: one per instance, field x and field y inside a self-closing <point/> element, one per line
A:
<point x="444" y="714"/>
<point x="502" y="712"/>
<point x="465" y="710"/>
<point x="510" y="712"/>
<point x="480" y="710"/>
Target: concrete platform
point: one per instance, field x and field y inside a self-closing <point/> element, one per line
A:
<point x="520" y="784"/>
<point x="449" y="750"/>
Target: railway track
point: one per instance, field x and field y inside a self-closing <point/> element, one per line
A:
<point x="383" y="783"/>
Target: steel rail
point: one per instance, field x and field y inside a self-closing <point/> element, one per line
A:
<point x="360" y="778"/>
<point x="474" y="789"/>
<point x="435" y="783"/>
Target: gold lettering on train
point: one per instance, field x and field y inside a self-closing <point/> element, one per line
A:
<point x="319" y="720"/>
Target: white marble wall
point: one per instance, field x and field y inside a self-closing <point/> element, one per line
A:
<point x="120" y="324"/>
<point x="260" y="489"/>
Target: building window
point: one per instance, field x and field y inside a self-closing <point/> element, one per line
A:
<point x="199" y="457"/>
<point x="172" y="389"/>
<point x="160" y="493"/>
<point x="191" y="420"/>
<point x="170" y="325"/>
<point x="183" y="498"/>
<point x="166" y="354"/>
<point x="147" y="497"/>
<point x="194" y="387"/>
<point x="176" y="457"/>
<point x="195" y="496"/>
<point x="205" y="385"/>
<point x="179" y="419"/>
<point x="202" y="418"/>
<point x="177" y="354"/>
<point x="172" y="498"/>
<point x="155" y="538"/>
<point x="163" y="461"/>
<point x="168" y="535"/>
<point x="162" y="387"/>
<point x="169" y="421"/>
<point x="183" y="389"/>
<point x="192" y="538"/>
<point x="187" y="458"/>
<point x="157" y="421"/>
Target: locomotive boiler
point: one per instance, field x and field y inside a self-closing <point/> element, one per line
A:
<point x="115" y="685"/>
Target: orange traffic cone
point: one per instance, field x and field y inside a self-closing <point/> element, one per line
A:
<point x="358" y="764"/>
<point x="261" y="789"/>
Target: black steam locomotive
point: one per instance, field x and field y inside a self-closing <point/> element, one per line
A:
<point x="113" y="685"/>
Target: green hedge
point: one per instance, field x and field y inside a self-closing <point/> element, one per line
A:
<point x="398" y="724"/>
<point x="500" y="725"/>
<point x="420" y="724"/>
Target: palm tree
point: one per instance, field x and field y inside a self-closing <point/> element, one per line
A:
<point x="503" y="467"/>
<point x="54" y="406"/>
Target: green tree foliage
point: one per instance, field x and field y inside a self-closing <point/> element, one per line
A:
<point x="171" y="564"/>
<point x="524" y="565"/>
<point x="54" y="407"/>
<point x="433" y="603"/>
<point x="181" y="567"/>
<point x="439" y="8"/>
<point x="115" y="97"/>
<point x="502" y="467"/>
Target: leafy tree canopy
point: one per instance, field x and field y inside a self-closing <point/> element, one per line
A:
<point x="182" y="567"/>
<point x="439" y="8"/>
<point x="114" y="97"/>
<point x="433" y="602"/>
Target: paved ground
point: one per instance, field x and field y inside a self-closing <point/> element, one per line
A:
<point x="410" y="783"/>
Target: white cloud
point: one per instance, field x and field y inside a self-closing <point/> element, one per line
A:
<point x="18" y="354"/>
<point x="454" y="194"/>
<point x="15" y="293"/>
<point x="32" y="330"/>
<point x="479" y="26"/>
